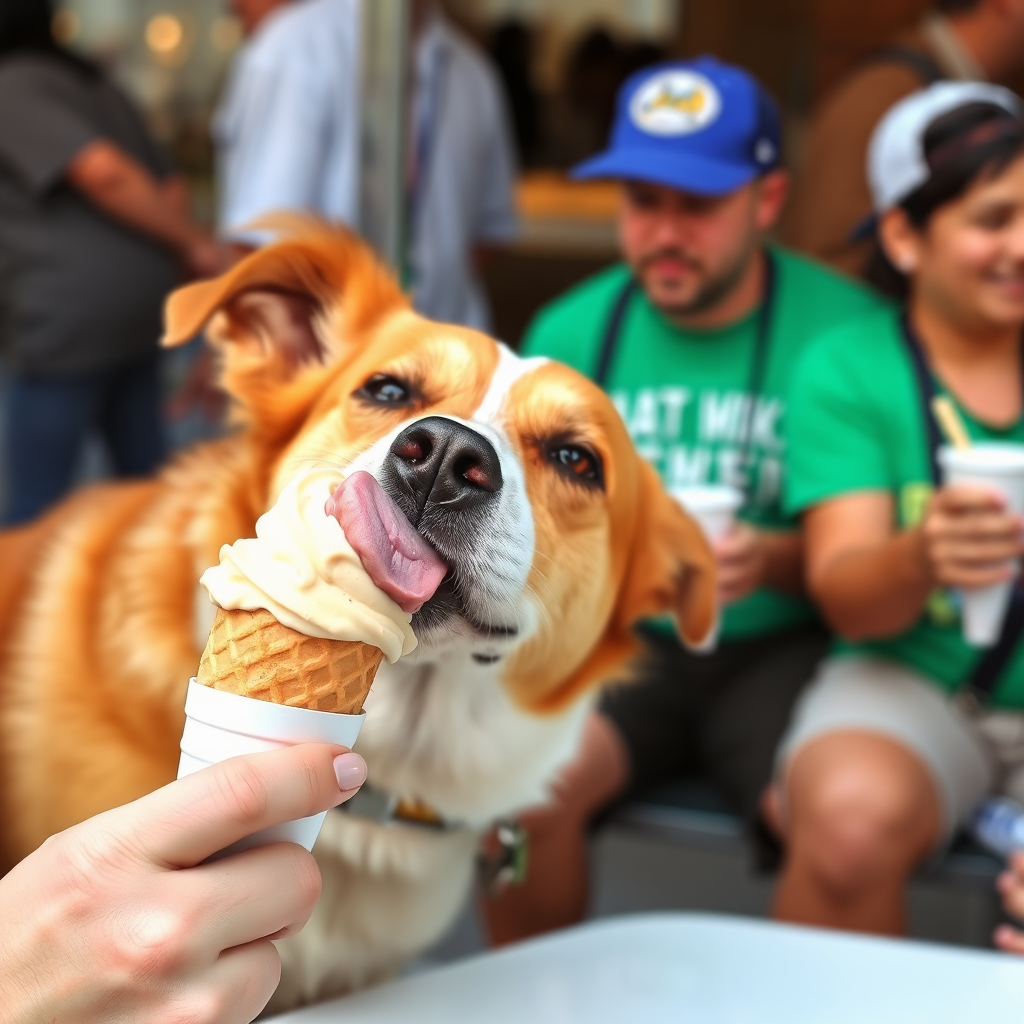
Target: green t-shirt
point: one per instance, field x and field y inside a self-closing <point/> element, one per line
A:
<point x="856" y="423"/>
<point x="684" y="394"/>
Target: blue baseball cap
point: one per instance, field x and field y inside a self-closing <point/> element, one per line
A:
<point x="699" y="126"/>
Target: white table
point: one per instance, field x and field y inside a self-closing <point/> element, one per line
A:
<point x="700" y="968"/>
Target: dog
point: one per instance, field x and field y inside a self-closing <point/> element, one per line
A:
<point x="519" y="472"/>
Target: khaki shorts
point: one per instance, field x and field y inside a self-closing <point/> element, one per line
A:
<point x="966" y="758"/>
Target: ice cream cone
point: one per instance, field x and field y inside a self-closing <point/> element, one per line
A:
<point x="251" y="654"/>
<point x="220" y="725"/>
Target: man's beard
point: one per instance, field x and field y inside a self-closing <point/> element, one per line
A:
<point x="711" y="292"/>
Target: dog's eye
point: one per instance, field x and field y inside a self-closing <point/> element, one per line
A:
<point x="385" y="390"/>
<point x="578" y="462"/>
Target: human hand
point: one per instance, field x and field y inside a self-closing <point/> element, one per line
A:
<point x="204" y="256"/>
<point x="1011" y="887"/>
<point x="968" y="539"/>
<point x="119" y="919"/>
<point x="742" y="561"/>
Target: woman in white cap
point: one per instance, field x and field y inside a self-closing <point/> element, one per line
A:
<point x="907" y="726"/>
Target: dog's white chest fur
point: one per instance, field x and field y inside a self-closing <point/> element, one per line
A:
<point x="447" y="733"/>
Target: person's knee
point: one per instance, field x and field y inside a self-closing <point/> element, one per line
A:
<point x="858" y="808"/>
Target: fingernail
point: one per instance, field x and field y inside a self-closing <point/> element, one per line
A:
<point x="350" y="770"/>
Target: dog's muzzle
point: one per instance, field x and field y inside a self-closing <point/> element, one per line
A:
<point x="448" y="481"/>
<point x="438" y="462"/>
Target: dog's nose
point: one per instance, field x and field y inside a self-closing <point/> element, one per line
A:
<point x="443" y="462"/>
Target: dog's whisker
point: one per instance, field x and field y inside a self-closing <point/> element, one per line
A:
<point x="541" y="608"/>
<point x="298" y="461"/>
<point x="540" y="574"/>
<point x="324" y="453"/>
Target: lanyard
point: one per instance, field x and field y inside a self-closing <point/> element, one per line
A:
<point x="758" y="362"/>
<point x="926" y="390"/>
<point x="423" y="149"/>
<point x="989" y="667"/>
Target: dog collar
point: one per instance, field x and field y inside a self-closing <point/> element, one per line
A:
<point x="388" y="808"/>
<point x="500" y="862"/>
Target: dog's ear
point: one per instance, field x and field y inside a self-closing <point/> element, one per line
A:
<point x="266" y="319"/>
<point x="671" y="568"/>
<point x="296" y="305"/>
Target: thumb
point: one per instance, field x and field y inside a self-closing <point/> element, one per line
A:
<point x="191" y="819"/>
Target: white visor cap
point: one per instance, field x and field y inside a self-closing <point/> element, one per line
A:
<point x="896" y="162"/>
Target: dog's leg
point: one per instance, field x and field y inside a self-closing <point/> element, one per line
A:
<point x="389" y="893"/>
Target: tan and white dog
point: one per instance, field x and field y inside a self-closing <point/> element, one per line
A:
<point x="519" y="472"/>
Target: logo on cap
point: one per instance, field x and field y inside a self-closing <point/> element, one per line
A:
<point x="675" y="103"/>
<point x="765" y="151"/>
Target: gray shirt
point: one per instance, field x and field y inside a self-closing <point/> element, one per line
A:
<point x="78" y="291"/>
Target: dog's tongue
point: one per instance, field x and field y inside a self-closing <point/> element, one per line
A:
<point x="398" y="560"/>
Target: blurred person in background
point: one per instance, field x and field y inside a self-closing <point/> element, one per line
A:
<point x="512" y="47"/>
<point x="287" y="127"/>
<point x="594" y="72"/>
<point x="907" y="727"/>
<point x="94" y="232"/>
<point x="287" y="136"/>
<point x="578" y="118"/>
<point x="966" y="40"/>
<point x="694" y="336"/>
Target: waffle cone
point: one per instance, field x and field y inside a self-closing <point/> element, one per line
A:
<point x="253" y="655"/>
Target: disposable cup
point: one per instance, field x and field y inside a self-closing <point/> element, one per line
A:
<point x="713" y="507"/>
<point x="219" y="725"/>
<point x="995" y="467"/>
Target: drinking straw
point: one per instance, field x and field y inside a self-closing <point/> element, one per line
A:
<point x="950" y="422"/>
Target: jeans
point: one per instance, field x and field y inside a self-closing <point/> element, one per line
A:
<point x="48" y="417"/>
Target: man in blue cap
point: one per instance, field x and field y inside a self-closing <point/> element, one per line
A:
<point x="695" y="336"/>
